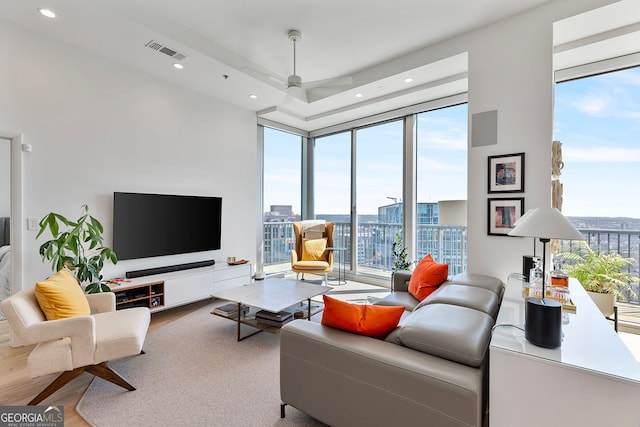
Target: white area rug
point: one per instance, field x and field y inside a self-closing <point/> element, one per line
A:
<point x="195" y="373"/>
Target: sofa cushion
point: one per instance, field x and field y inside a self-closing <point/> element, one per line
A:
<point x="60" y="297"/>
<point x="481" y="281"/>
<point x="452" y="332"/>
<point x="465" y="296"/>
<point x="314" y="249"/>
<point x="426" y="277"/>
<point x="363" y="319"/>
<point x="404" y="299"/>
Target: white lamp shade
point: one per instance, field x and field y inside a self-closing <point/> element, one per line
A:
<point x="545" y="223"/>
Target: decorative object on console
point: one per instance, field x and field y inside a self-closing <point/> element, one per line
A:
<point x="78" y="248"/>
<point x="503" y="214"/>
<point x="506" y="173"/>
<point x="543" y="317"/>
<point x="237" y="262"/>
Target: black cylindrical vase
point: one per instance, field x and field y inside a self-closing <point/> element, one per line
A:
<point x="543" y="322"/>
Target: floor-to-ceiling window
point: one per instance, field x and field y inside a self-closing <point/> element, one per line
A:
<point x="597" y="121"/>
<point x="442" y="186"/>
<point x="282" y="189"/>
<point x="358" y="178"/>
<point x="332" y="189"/>
<point x="379" y="173"/>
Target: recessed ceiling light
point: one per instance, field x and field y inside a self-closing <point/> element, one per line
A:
<point x="253" y="96"/>
<point x="359" y="95"/>
<point x="46" y="12"/>
<point x="178" y="66"/>
<point x="408" y="80"/>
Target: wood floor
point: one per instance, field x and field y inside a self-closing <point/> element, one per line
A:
<point x="17" y="388"/>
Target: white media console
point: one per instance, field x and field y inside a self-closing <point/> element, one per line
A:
<point x="167" y="290"/>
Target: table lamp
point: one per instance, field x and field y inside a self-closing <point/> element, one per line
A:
<point x="543" y="317"/>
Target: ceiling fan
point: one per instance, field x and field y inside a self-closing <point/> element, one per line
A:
<point x="296" y="88"/>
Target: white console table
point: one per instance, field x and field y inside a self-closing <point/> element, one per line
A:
<point x="591" y="380"/>
<point x="167" y="290"/>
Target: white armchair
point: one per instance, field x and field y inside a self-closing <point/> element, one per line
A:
<point x="76" y="344"/>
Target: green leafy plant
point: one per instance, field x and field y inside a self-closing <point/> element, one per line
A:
<point x="399" y="255"/>
<point x="601" y="272"/>
<point x="78" y="248"/>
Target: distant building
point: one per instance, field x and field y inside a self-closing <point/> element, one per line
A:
<point x="280" y="213"/>
<point x="427" y="213"/>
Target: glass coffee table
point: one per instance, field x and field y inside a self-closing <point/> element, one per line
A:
<point x="272" y="295"/>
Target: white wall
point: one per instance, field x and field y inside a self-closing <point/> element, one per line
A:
<point x="97" y="127"/>
<point x="511" y="70"/>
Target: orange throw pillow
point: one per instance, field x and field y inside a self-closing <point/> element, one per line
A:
<point x="375" y="321"/>
<point x="426" y="277"/>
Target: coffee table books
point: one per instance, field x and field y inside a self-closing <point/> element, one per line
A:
<point x="274" y="319"/>
<point x="230" y="310"/>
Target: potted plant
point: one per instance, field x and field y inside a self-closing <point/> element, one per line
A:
<point x="604" y="276"/>
<point x="78" y="248"/>
<point x="399" y="255"/>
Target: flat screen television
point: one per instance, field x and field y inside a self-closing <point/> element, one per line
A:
<point x="149" y="225"/>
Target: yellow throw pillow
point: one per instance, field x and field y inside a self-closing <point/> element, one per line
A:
<point x="60" y="296"/>
<point x="314" y="249"/>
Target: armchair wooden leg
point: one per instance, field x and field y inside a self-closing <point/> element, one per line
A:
<point x="106" y="373"/>
<point x="101" y="370"/>
<point x="62" y="379"/>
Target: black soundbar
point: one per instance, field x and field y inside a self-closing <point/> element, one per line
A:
<point x="168" y="268"/>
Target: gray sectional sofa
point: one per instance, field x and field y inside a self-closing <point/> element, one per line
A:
<point x="430" y="371"/>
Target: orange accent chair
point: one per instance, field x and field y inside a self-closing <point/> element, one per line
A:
<point x="308" y="256"/>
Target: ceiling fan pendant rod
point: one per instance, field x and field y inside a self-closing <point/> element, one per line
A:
<point x="294" y="36"/>
<point x="294" y="56"/>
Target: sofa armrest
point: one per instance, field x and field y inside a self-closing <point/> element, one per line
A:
<point x="294" y="257"/>
<point x="341" y="365"/>
<point x="400" y="281"/>
<point x="102" y="302"/>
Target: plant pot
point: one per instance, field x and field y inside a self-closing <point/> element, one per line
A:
<point x="605" y="302"/>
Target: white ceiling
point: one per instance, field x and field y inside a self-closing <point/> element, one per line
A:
<point x="247" y="41"/>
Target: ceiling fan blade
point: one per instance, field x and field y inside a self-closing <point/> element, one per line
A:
<point x="298" y="93"/>
<point x="265" y="77"/>
<point x="334" y="82"/>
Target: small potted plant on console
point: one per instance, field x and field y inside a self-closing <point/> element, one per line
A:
<point x="605" y="276"/>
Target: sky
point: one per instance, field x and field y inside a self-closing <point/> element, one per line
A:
<point x="597" y="120"/>
<point x="441" y="158"/>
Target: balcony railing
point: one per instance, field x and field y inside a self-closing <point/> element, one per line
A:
<point x="446" y="244"/>
<point x="624" y="242"/>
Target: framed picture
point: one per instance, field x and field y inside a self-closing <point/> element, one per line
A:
<point x="506" y="173"/>
<point x="503" y="214"/>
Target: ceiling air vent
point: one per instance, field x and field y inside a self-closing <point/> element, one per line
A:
<point x="152" y="44"/>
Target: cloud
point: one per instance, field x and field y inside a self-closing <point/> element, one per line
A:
<point x="600" y="154"/>
<point x="592" y="104"/>
<point x="442" y="140"/>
